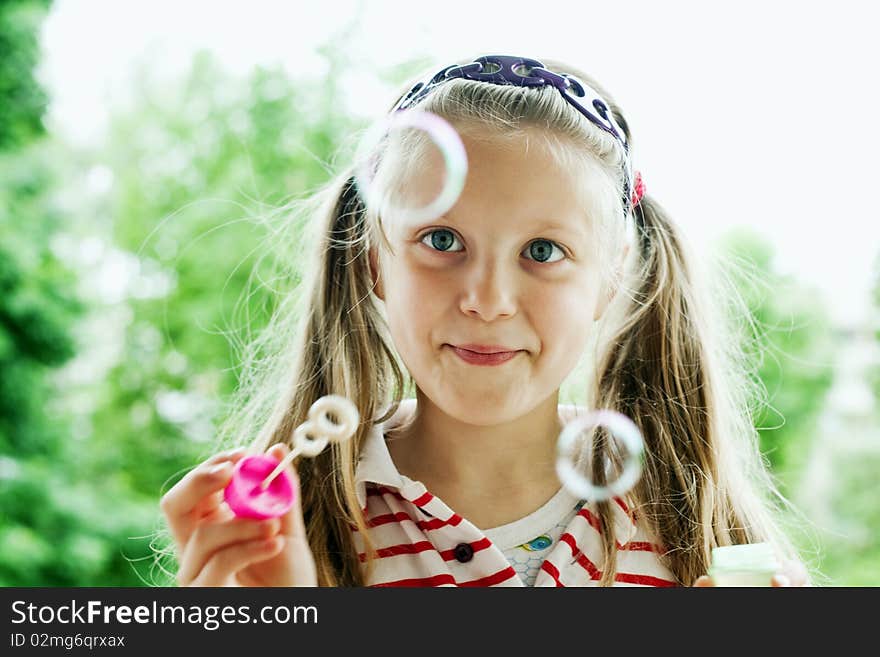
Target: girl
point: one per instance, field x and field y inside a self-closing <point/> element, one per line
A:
<point x="551" y="251"/>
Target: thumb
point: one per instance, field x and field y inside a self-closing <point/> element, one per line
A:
<point x="291" y="522"/>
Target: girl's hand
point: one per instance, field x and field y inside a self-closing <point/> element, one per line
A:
<point x="215" y="548"/>
<point x="793" y="573"/>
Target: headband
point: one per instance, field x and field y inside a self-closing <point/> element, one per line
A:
<point x="524" y="72"/>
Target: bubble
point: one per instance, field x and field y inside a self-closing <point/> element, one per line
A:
<point x="411" y="165"/>
<point x="599" y="455"/>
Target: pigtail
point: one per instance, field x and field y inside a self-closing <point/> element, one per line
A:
<point x="654" y="373"/>
<point x="663" y="369"/>
<point x="341" y="348"/>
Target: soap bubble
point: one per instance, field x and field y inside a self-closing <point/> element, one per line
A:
<point x="411" y="165"/>
<point x="599" y="455"/>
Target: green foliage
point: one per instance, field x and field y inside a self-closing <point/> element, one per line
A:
<point x="852" y="544"/>
<point x="176" y="209"/>
<point x="22" y="100"/>
<point x="826" y="455"/>
<point x="68" y="531"/>
<point x="35" y="316"/>
<point x="47" y="534"/>
<point x="197" y="169"/>
<point x="790" y="345"/>
<point x="874" y="372"/>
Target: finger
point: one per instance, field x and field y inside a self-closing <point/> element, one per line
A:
<point x="780" y="580"/>
<point x="174" y="501"/>
<point x="211" y="509"/>
<point x="232" y="559"/>
<point x="703" y="581"/>
<point x="208" y="539"/>
<point x="233" y="454"/>
<point x="186" y="499"/>
<point x="291" y="522"/>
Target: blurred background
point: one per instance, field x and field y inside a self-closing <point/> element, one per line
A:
<point x="142" y="143"/>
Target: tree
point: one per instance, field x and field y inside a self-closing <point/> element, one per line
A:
<point x="165" y="225"/>
<point x="789" y="340"/>
<point x="41" y="537"/>
<point x="22" y="100"/>
<point x="192" y="178"/>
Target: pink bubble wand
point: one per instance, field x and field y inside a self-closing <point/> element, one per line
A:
<point x="261" y="488"/>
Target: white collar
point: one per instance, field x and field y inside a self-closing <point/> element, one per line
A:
<point x="375" y="464"/>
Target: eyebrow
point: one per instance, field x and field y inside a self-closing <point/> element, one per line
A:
<point x="537" y="227"/>
<point x="552" y="225"/>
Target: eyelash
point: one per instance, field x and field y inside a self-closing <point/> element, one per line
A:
<point x="446" y="230"/>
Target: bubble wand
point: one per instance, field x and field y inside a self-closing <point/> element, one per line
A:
<point x="261" y="488"/>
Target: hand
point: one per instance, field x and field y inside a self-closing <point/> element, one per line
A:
<point x="215" y="548"/>
<point x="792" y="573"/>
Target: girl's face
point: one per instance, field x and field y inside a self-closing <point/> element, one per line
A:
<point x="512" y="266"/>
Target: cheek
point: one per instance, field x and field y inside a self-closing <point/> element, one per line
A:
<point x="409" y="286"/>
<point x="414" y="300"/>
<point x="563" y="315"/>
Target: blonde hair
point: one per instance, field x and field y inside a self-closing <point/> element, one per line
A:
<point x="666" y="358"/>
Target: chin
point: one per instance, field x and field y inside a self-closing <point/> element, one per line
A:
<point x="481" y="410"/>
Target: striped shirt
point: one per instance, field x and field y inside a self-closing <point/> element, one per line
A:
<point x="422" y="542"/>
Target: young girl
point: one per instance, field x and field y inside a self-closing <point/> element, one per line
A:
<point x="551" y="248"/>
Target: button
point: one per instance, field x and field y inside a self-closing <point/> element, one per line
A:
<point x="463" y="552"/>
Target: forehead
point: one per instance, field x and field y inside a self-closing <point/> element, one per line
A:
<point x="523" y="181"/>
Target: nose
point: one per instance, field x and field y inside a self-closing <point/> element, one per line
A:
<point x="489" y="293"/>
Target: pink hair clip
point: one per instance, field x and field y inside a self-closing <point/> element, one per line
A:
<point x="639" y="191"/>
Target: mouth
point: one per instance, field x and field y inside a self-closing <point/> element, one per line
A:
<point x="484" y="354"/>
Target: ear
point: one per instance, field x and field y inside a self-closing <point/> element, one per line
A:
<point x="606" y="296"/>
<point x="374" y="273"/>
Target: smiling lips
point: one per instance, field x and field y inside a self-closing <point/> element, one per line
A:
<point x="478" y="354"/>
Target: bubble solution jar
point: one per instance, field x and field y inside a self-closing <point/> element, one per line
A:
<point x="752" y="564"/>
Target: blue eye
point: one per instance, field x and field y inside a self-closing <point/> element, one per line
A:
<point x="542" y="250"/>
<point x="441" y="239"/>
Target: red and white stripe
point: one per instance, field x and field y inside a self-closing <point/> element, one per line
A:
<point x="416" y="541"/>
